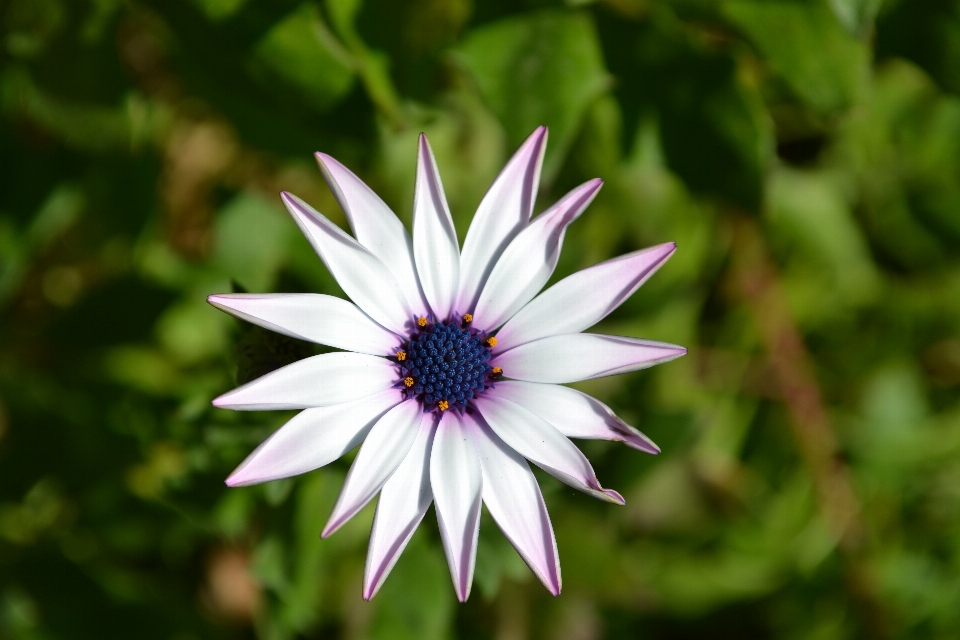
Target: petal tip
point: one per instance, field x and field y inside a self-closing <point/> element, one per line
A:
<point x="614" y="496"/>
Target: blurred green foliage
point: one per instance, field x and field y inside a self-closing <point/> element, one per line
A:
<point x="804" y="154"/>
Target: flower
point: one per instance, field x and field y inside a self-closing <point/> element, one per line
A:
<point x="452" y="365"/>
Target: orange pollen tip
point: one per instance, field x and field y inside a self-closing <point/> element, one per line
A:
<point x="497" y="371"/>
<point x="421" y="321"/>
<point x="467" y="317"/>
<point x="443" y="405"/>
<point x="492" y="341"/>
<point x="408" y="381"/>
<point x="401" y="355"/>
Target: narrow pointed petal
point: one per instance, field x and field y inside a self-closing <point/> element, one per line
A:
<point x="540" y="443"/>
<point x="383" y="450"/>
<point x="583" y="299"/>
<point x="403" y="502"/>
<point x="574" y="414"/>
<point x="434" y="237"/>
<point x="513" y="498"/>
<point x="529" y="260"/>
<point x="311" y="316"/>
<point x="318" y="381"/>
<point x="360" y="274"/>
<point x="375" y="226"/>
<point x="457" y="483"/>
<point x="313" y="438"/>
<point x="582" y="356"/>
<point x="504" y="211"/>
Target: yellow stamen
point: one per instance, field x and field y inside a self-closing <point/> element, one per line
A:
<point x="421" y="321"/>
<point x="492" y="341"/>
<point x="467" y="317"/>
<point x="408" y="381"/>
<point x="497" y="371"/>
<point x="401" y="355"/>
<point x="443" y="405"/>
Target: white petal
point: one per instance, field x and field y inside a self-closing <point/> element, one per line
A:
<point x="382" y="452"/>
<point x="582" y="356"/>
<point x="574" y="414"/>
<point x="375" y="226"/>
<point x="313" y="438"/>
<point x="434" y="237"/>
<point x="318" y="381"/>
<point x="403" y="502"/>
<point x="513" y="498"/>
<point x="583" y="299"/>
<point x="311" y="316"/>
<point x="457" y="483"/>
<point x="529" y="260"/>
<point x="504" y="211"/>
<point x="360" y="274"/>
<point x="540" y="443"/>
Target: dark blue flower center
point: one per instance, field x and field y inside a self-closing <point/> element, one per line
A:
<point x="445" y="365"/>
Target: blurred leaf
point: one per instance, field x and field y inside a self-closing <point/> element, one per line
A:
<point x="220" y="9"/>
<point x="856" y="15"/>
<point x="535" y="69"/>
<point x="416" y="601"/>
<point x="805" y="42"/>
<point x="300" y="50"/>
<point x="714" y="129"/>
<point x="252" y="236"/>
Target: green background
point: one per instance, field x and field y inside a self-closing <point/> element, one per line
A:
<point x="804" y="155"/>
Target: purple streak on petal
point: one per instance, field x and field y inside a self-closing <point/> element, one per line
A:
<point x="574" y="414"/>
<point x="513" y="498"/>
<point x="528" y="262"/>
<point x="504" y="211"/>
<point x="457" y="483"/>
<point x="403" y="502"/>
<point x="582" y="356"/>
<point x="375" y="225"/>
<point x="583" y="299"/>
<point x="361" y="275"/>
<point x="313" y="438"/>
<point x="540" y="443"/>
<point x="311" y="316"/>
<point x="435" y="245"/>
<point x="382" y="452"/>
<point x="317" y="381"/>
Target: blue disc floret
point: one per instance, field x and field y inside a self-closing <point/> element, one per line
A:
<point x="445" y="364"/>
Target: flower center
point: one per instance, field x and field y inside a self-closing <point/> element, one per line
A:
<point x="446" y="364"/>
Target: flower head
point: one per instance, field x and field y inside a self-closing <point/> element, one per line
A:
<point x="452" y="365"/>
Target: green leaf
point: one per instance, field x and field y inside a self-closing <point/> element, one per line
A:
<point x="714" y="129"/>
<point x="540" y="68"/>
<point x="302" y="52"/>
<point x="803" y="41"/>
<point x="252" y="235"/>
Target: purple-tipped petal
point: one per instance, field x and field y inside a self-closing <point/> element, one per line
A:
<point x="318" y="381"/>
<point x="504" y="211"/>
<point x="528" y="262"/>
<point x="382" y="452"/>
<point x="434" y="237"/>
<point x="313" y="438"/>
<point x="574" y="414"/>
<point x="582" y="356"/>
<point x="583" y="299"/>
<point x="457" y="484"/>
<point x="403" y="502"/>
<point x="360" y="274"/>
<point x="375" y="226"/>
<point x="513" y="498"/>
<point x="311" y="316"/>
<point x="540" y="443"/>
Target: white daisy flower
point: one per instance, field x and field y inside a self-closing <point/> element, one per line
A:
<point x="452" y="365"/>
